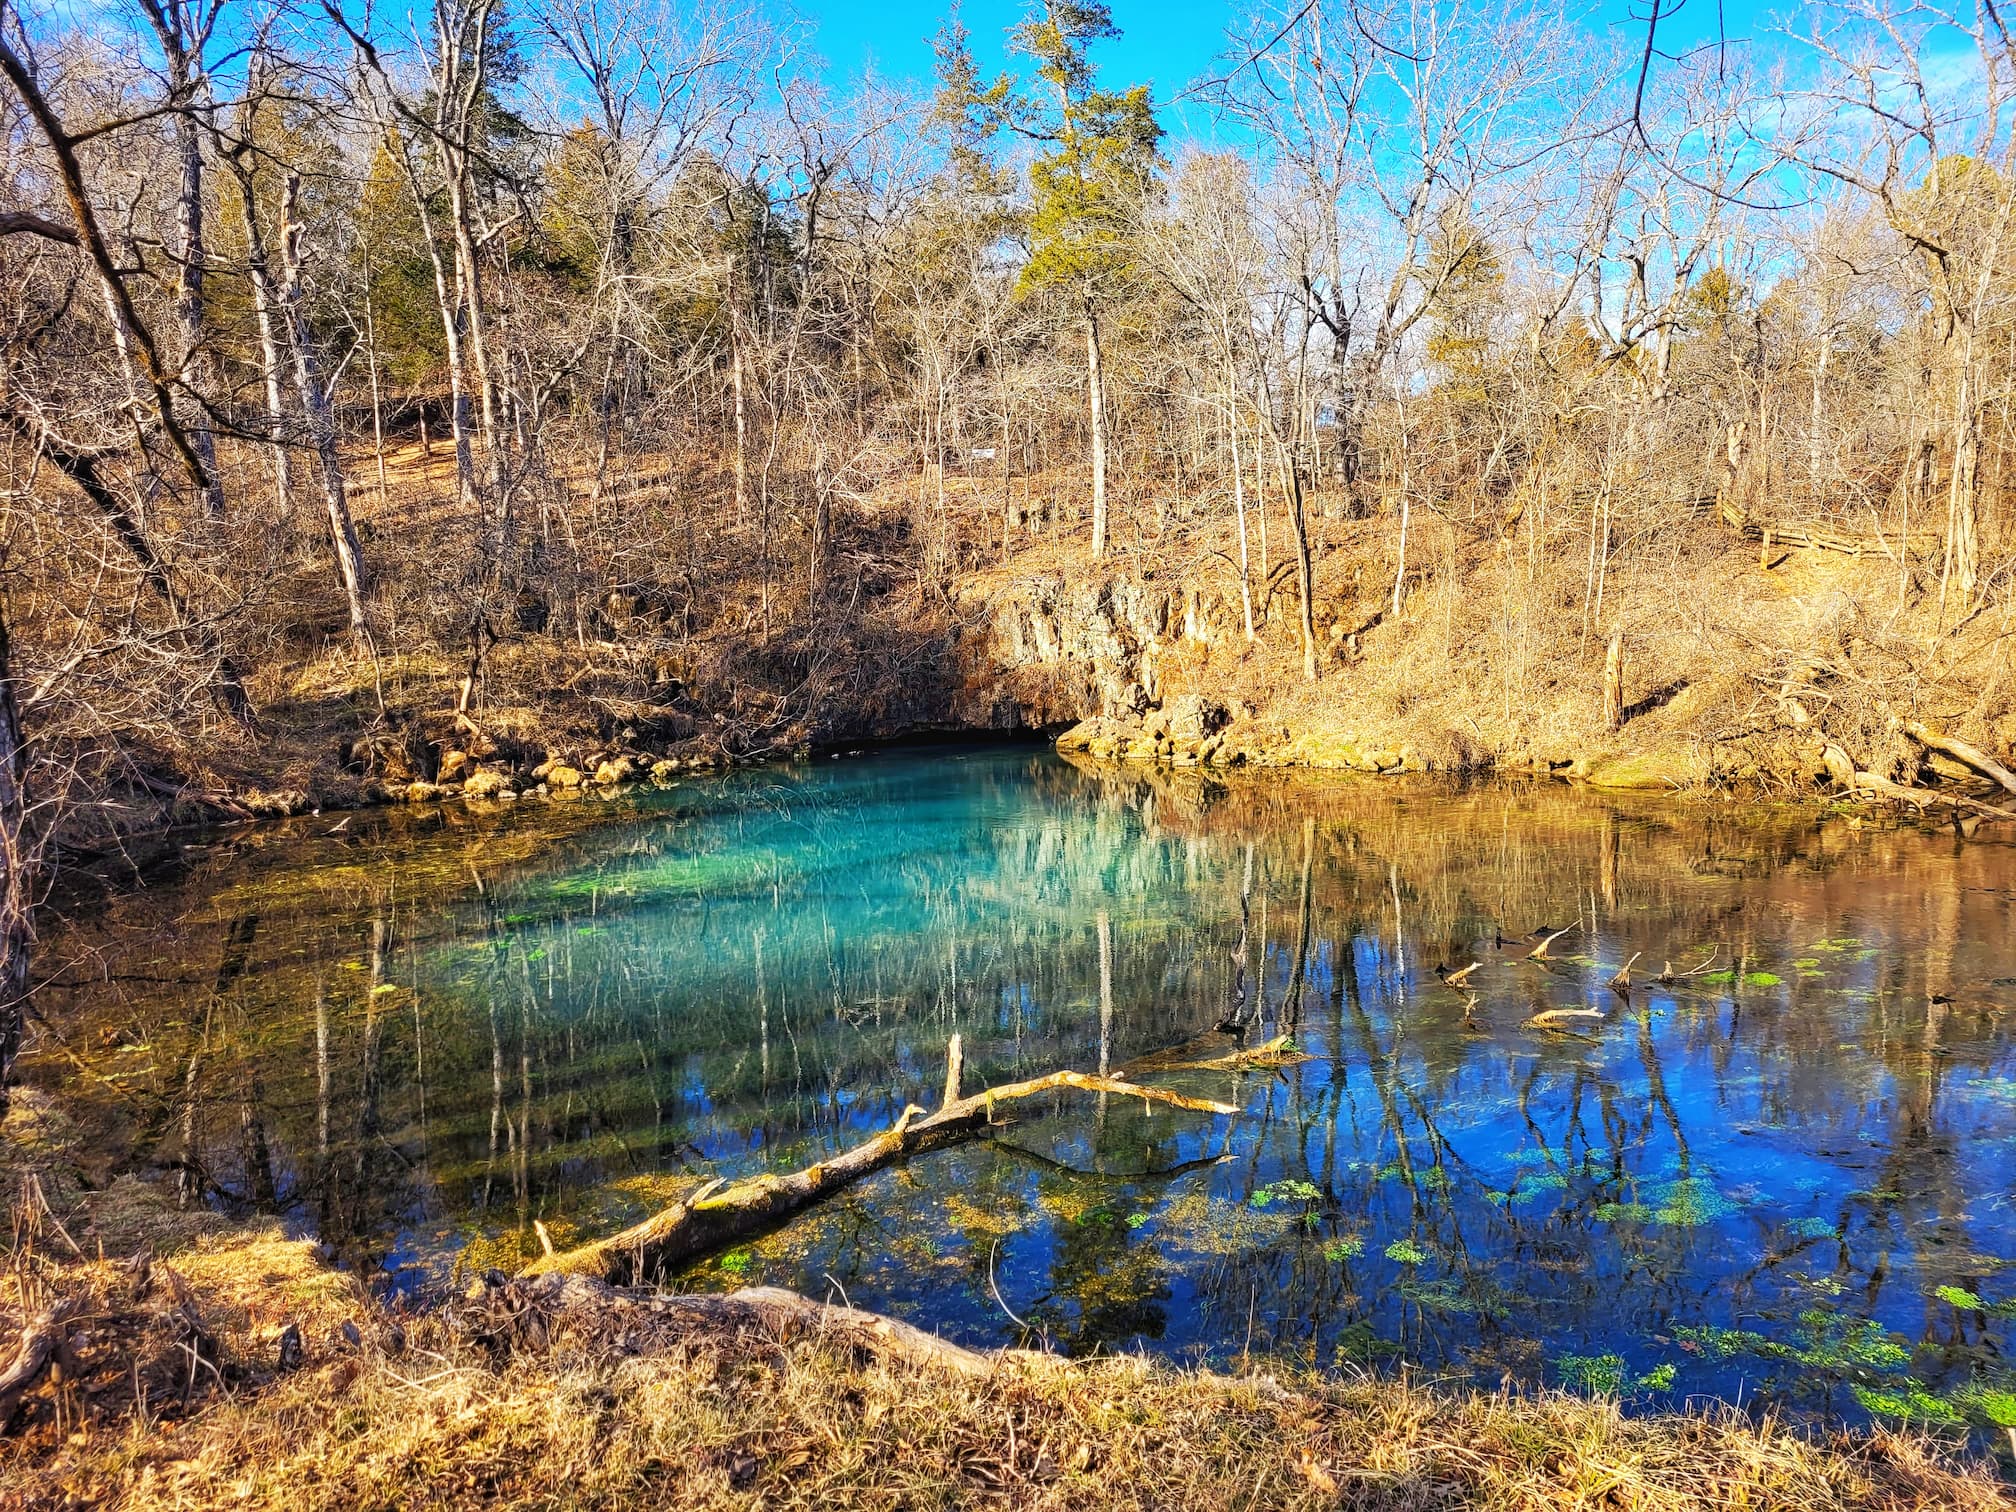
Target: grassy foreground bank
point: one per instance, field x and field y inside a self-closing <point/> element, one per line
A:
<point x="232" y="1368"/>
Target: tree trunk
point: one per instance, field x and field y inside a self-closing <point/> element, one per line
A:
<point x="321" y="416"/>
<point x="739" y="380"/>
<point x="194" y="370"/>
<point x="448" y="303"/>
<point x="1613" y="683"/>
<point x="16" y="883"/>
<point x="1095" y="398"/>
<point x="469" y="278"/>
<point x="1239" y="508"/>
<point x="1305" y="576"/>
<point x="1963" y="541"/>
<point x="270" y="363"/>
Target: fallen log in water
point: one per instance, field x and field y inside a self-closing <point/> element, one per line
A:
<point x="718" y="1216"/>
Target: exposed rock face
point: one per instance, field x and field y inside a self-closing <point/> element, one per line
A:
<point x="1050" y="652"/>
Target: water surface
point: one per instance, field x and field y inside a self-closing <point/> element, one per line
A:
<point x="1783" y="1178"/>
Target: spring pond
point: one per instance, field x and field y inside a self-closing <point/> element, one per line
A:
<point x="1787" y="1178"/>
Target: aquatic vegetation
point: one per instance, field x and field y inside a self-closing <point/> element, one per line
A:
<point x="1337" y="1251"/>
<point x="1531" y="1188"/>
<point x="1406" y="1252"/>
<point x="1609" y="1375"/>
<point x="1823" y="1341"/>
<point x="1908" y="1401"/>
<point x="1991" y="1403"/>
<point x="1597" y="1375"/>
<point x="1762" y="979"/>
<point x="1689" y="1202"/>
<point x="1959" y="1296"/>
<point x="1621" y="1212"/>
<point x="1288" y="1190"/>
<point x="1815" y="1228"/>
<point x="1830" y="1341"/>
<point x="737" y="1262"/>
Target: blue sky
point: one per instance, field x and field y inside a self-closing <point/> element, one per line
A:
<point x="1168" y="43"/>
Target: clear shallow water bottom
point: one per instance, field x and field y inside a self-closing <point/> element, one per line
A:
<point x="1789" y="1177"/>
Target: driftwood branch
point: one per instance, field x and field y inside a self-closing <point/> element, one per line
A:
<point x="786" y="1313"/>
<point x="712" y="1220"/>
<point x="1668" y="976"/>
<point x="1539" y="952"/>
<point x="1622" y="981"/>
<point x="528" y="1310"/>
<point x="1551" y="1016"/>
<point x="1279" y="1051"/>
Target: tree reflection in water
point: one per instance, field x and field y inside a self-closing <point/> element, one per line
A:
<point x="1786" y="1174"/>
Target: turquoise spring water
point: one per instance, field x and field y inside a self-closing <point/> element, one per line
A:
<point x="1785" y="1177"/>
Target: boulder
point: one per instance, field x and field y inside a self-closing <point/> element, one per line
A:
<point x="278" y="804"/>
<point x="484" y="783"/>
<point x="1659" y="770"/>
<point x="616" y="772"/>
<point x="421" y="792"/>
<point x="453" y="764"/>
<point x="384" y="756"/>
<point x="662" y="770"/>
<point x="1195" y="718"/>
<point x="560" y="775"/>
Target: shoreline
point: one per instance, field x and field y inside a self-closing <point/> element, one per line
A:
<point x="308" y="1391"/>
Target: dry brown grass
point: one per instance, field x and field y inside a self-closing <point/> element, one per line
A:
<point x="613" y="1411"/>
